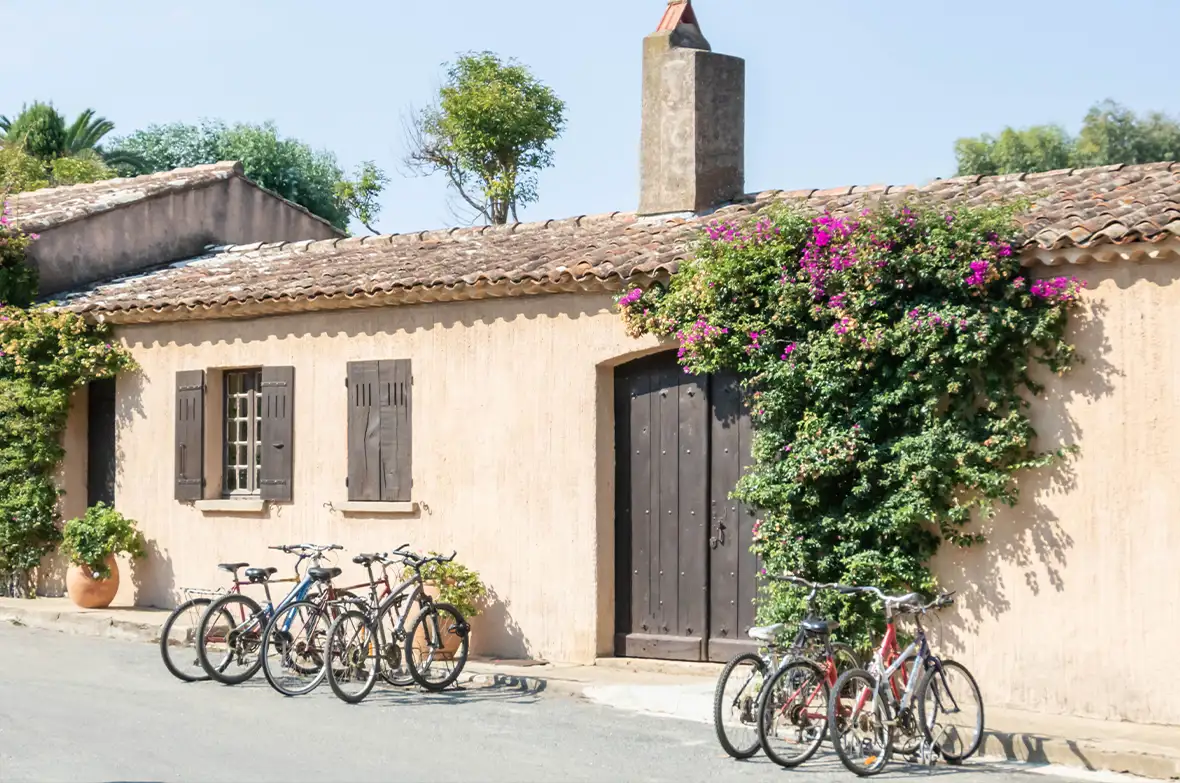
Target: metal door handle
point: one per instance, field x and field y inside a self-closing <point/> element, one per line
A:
<point x="719" y="539"/>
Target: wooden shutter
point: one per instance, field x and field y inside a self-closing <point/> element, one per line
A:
<point x="395" y="384"/>
<point x="379" y="431"/>
<point x="364" y="432"/>
<point x="190" y="434"/>
<point x="277" y="398"/>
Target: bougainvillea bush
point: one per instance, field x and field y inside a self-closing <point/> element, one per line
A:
<point x="887" y="358"/>
<point x="45" y="355"/>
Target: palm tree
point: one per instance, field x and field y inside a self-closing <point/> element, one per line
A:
<point x="42" y="131"/>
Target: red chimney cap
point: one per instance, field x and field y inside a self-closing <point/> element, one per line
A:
<point x="677" y="13"/>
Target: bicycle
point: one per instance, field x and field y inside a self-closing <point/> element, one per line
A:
<point x="196" y="602"/>
<point x="913" y="708"/>
<point x="243" y="638"/>
<point x="365" y="642"/>
<point x="737" y="714"/>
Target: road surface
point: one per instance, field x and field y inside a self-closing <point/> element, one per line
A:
<point x="88" y="709"/>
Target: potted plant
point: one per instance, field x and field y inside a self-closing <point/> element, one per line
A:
<point x="91" y="543"/>
<point x="455" y="584"/>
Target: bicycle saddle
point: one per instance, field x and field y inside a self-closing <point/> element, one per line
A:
<point x="258" y="575"/>
<point x="323" y="574"/>
<point x="766" y="633"/>
<point x="363" y="559"/>
<point x="231" y="567"/>
<point x="819" y="626"/>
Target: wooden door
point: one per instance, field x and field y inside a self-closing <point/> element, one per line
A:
<point x="678" y="455"/>
<point x="733" y="568"/>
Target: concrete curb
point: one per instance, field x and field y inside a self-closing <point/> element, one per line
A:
<point x="83" y="624"/>
<point x="1115" y="756"/>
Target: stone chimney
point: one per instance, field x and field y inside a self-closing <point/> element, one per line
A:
<point x="694" y="120"/>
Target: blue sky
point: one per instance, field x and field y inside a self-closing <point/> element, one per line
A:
<point x="839" y="92"/>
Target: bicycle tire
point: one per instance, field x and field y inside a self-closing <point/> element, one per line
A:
<point x="851" y="659"/>
<point x="460" y="628"/>
<point x="969" y="749"/>
<point x="766" y="706"/>
<point x="719" y="706"/>
<point x="834" y="725"/>
<point x="320" y="613"/>
<point x="219" y="605"/>
<point x="165" y="632"/>
<point x="339" y="628"/>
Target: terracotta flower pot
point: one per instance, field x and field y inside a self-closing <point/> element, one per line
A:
<point x="88" y="592"/>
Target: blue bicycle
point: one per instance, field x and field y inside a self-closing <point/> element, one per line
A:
<point x="232" y="630"/>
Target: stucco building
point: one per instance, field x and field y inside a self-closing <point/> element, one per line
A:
<point x="473" y="389"/>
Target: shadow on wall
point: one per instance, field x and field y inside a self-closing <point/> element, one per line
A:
<point x="374" y="320"/>
<point x="495" y="634"/>
<point x="1030" y="536"/>
<point x="149" y="574"/>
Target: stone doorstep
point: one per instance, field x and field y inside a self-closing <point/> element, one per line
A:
<point x="683" y="690"/>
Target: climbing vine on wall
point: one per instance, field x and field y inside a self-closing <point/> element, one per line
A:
<point x="45" y="355"/>
<point x="887" y="354"/>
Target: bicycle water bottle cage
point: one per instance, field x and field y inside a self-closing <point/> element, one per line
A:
<point x="323" y="574"/>
<point x="766" y="633"/>
<point x="260" y="575"/>
<point x="819" y="627"/>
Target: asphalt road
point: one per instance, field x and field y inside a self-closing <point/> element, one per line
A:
<point x="86" y="709"/>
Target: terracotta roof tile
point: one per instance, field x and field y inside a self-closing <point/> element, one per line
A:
<point x="40" y="210"/>
<point x="1081" y="208"/>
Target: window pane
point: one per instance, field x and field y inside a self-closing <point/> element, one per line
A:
<point x="243" y="432"/>
<point x="242" y="479"/>
<point x="231" y="483"/>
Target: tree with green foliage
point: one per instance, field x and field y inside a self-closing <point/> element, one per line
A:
<point x="489" y="133"/>
<point x="1110" y="134"/>
<point x="289" y="167"/>
<point x="41" y="131"/>
<point x="887" y="359"/>
<point x="21" y="172"/>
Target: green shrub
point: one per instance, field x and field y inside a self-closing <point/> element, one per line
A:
<point x="102" y="532"/>
<point x="457" y="585"/>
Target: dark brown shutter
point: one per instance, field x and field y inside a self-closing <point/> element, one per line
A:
<point x="364" y="432"/>
<point x="190" y="434"/>
<point x="278" y="433"/>
<point x="395" y="384"/>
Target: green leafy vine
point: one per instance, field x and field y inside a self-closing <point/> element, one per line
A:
<point x="887" y="357"/>
<point x="45" y="355"/>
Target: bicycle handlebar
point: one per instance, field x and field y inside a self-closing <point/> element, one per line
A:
<point x="306" y="549"/>
<point x="910" y="602"/>
<point x="801" y="582"/>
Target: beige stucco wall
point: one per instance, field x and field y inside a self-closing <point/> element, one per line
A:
<point x="1072" y="605"/>
<point x="1068" y="609"/>
<point x="506" y="424"/>
<point x="168" y="228"/>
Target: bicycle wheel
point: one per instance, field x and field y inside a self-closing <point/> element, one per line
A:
<point x="735" y="704"/>
<point x="950" y="711"/>
<point x="793" y="713"/>
<point x="354" y="664"/>
<point x="859" y="719"/>
<point x="845" y="657"/>
<point x="436" y="646"/>
<point x="229" y="637"/>
<point x="295" y="647"/>
<point x="178" y="645"/>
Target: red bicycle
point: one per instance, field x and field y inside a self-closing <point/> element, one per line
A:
<point x="793" y="709"/>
